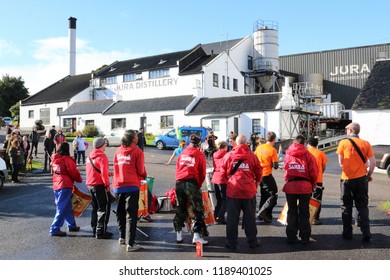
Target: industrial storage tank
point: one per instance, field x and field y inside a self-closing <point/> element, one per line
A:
<point x="266" y="43"/>
<point x="311" y="84"/>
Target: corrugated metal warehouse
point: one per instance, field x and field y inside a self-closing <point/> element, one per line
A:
<point x="344" y="71"/>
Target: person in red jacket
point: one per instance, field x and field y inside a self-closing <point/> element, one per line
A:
<point x="98" y="183"/>
<point x="129" y="170"/>
<point x="300" y="177"/>
<point x="190" y="174"/>
<point x="243" y="172"/>
<point x="65" y="172"/>
<point x="219" y="182"/>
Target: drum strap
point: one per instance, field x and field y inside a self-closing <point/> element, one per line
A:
<point x="358" y="150"/>
<point x="93" y="165"/>
<point x="235" y="167"/>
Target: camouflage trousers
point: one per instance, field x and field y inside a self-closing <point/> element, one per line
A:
<point x="188" y="194"/>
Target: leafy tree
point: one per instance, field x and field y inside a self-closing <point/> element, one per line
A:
<point x="12" y="90"/>
<point x="15" y="109"/>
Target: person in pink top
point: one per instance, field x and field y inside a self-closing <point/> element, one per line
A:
<point x="219" y="182"/>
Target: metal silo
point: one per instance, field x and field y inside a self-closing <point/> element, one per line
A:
<point x="266" y="45"/>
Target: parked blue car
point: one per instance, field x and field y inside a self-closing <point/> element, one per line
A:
<point x="170" y="139"/>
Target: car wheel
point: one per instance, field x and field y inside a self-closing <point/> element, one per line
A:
<point x="160" y="145"/>
<point x="388" y="170"/>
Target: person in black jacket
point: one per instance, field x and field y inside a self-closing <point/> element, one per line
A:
<point x="48" y="148"/>
<point x="34" y="140"/>
<point x="141" y="139"/>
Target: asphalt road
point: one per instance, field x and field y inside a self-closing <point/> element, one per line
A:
<point x="27" y="210"/>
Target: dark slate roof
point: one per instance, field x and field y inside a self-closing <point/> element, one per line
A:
<point x="196" y="66"/>
<point x="375" y="93"/>
<point x="87" y="107"/>
<point x="144" y="64"/>
<point x="219" y="47"/>
<point x="63" y="90"/>
<point x="150" y="105"/>
<point x="246" y="103"/>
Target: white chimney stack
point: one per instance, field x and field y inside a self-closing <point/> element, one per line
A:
<point x="72" y="46"/>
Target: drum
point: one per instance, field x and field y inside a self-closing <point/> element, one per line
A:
<point x="80" y="201"/>
<point x="314" y="204"/>
<point x="209" y="218"/>
<point x="143" y="199"/>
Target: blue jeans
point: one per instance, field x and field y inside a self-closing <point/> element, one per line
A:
<point x="64" y="213"/>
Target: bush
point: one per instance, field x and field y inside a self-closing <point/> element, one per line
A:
<point x="90" y="131"/>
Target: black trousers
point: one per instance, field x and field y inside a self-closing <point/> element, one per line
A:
<point x="101" y="207"/>
<point x="34" y="145"/>
<point x="355" y="190"/>
<point x="220" y="194"/>
<point x="127" y="215"/>
<point x="47" y="160"/>
<point x="268" y="195"/>
<point x="298" y="216"/>
<point x="234" y="208"/>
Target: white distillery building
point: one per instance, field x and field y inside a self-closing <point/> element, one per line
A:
<point x="228" y="86"/>
<point x="233" y="85"/>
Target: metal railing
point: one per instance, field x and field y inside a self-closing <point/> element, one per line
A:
<point x="330" y="142"/>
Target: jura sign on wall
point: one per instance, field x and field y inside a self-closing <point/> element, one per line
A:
<point x="349" y="72"/>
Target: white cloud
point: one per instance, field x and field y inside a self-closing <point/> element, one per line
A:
<point x="7" y="48"/>
<point x="51" y="61"/>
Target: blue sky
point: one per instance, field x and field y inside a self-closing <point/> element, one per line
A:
<point x="34" y="34"/>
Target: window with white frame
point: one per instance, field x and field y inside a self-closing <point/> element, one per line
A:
<point x="215" y="80"/>
<point x="235" y="84"/>
<point x="227" y="82"/>
<point x="44" y="115"/>
<point x="110" y="80"/>
<point x="215" y="125"/>
<point x="118" y="124"/>
<point x="132" y="77"/>
<point x="59" y="111"/>
<point x="158" y="73"/>
<point x="223" y="81"/>
<point x="89" y="122"/>
<point x="166" y="121"/>
<point x="30" y="114"/>
<point x="256" y="126"/>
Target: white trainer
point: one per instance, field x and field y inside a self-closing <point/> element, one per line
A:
<point x="197" y="238"/>
<point x="133" y="248"/>
<point x="122" y="241"/>
<point x="179" y="237"/>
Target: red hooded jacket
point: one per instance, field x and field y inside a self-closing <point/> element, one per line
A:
<point x="301" y="170"/>
<point x="218" y="178"/>
<point x="191" y="164"/>
<point x="129" y="167"/>
<point x="243" y="183"/>
<point x="100" y="160"/>
<point x="65" y="172"/>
